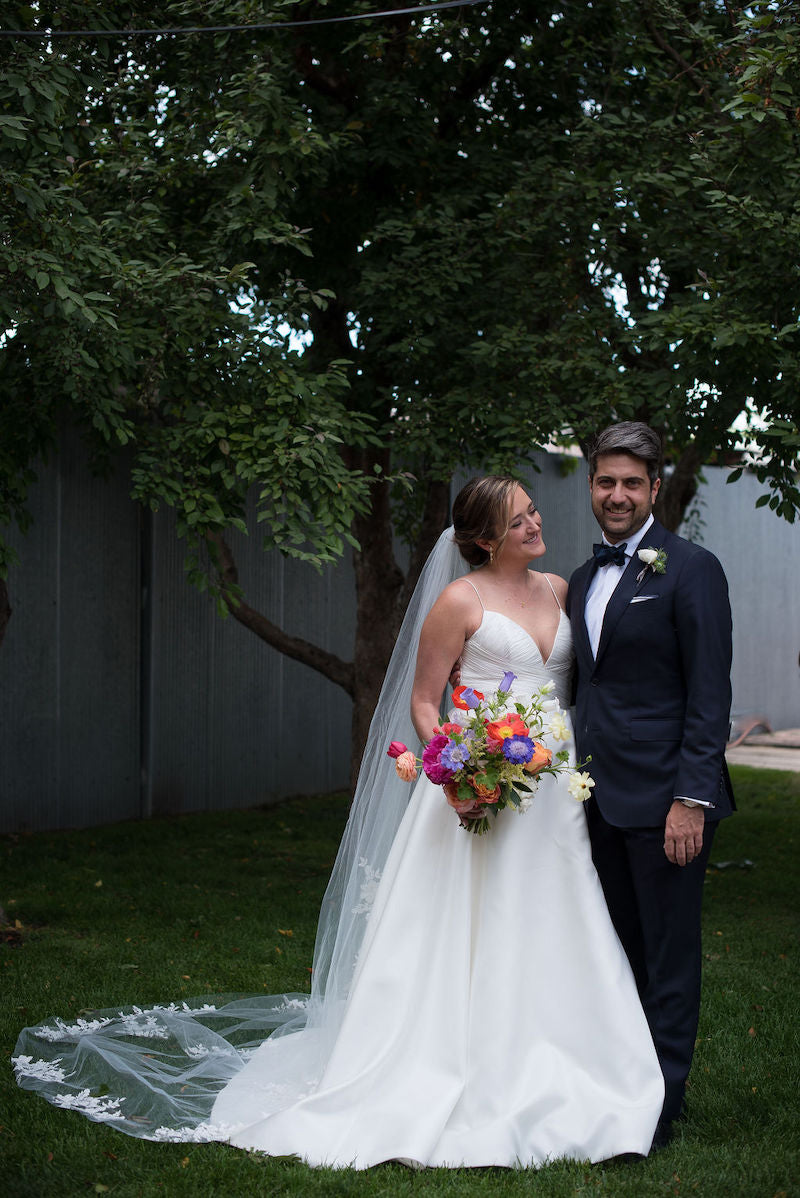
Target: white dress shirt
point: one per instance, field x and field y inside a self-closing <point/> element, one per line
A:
<point x="604" y="583"/>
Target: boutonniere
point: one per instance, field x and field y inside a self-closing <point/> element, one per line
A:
<point x="654" y="559"/>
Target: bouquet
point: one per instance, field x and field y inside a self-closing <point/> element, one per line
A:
<point x="493" y="756"/>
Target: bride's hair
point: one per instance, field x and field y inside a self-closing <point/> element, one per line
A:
<point x="480" y="513"/>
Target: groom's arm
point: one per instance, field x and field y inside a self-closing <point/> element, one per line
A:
<point x="704" y="630"/>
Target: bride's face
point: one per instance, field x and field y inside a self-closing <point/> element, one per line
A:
<point x="524" y="537"/>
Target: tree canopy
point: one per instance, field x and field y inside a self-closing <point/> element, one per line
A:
<point x="331" y="264"/>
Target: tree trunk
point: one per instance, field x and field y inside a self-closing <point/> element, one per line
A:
<point x="382" y="595"/>
<point x="678" y="491"/>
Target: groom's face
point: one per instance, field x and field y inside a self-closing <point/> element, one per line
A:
<point x="622" y="495"/>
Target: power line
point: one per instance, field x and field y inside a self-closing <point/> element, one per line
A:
<point x="176" y="31"/>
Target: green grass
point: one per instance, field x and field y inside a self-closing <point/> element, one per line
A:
<point x="221" y="903"/>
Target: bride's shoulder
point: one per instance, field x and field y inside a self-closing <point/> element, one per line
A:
<point x="559" y="585"/>
<point x="459" y="603"/>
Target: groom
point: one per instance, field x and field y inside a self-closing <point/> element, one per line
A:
<point x="651" y="623"/>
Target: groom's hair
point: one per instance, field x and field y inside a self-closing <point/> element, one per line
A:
<point x="629" y="436"/>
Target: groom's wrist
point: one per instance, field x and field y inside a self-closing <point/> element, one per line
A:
<point x="687" y="802"/>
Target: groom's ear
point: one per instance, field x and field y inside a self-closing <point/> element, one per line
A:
<point x="654" y="489"/>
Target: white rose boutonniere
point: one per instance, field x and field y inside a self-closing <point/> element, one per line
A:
<point x="654" y="559"/>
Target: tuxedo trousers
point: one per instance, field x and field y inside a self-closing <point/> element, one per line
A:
<point x="655" y="907"/>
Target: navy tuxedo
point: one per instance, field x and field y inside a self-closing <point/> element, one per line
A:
<point x="652" y="711"/>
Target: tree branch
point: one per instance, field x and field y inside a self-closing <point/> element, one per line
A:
<point x="325" y="663"/>
<point x="686" y="68"/>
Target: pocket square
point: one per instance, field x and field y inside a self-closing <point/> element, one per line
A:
<point x="642" y="598"/>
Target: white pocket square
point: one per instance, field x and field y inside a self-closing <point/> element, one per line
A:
<point x="642" y="598"/>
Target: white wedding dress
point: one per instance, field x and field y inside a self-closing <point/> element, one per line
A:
<point x="492" y="1018"/>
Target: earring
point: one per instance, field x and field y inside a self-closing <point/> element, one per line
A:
<point x="491" y="555"/>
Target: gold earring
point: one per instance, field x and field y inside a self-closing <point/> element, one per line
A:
<point x="491" y="555"/>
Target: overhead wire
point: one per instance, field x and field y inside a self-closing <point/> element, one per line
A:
<point x="177" y="30"/>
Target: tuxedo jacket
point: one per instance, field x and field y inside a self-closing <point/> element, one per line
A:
<point x="653" y="709"/>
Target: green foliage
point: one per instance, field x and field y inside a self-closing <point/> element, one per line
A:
<point x="126" y="313"/>
<point x="485" y="228"/>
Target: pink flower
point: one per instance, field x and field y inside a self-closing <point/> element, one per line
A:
<point x="406" y="766"/>
<point x="396" y="748"/>
<point x="431" y="764"/>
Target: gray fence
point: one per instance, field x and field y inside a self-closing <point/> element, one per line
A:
<point x="123" y="694"/>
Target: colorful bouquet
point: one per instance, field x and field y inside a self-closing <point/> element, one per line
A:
<point x="492" y="757"/>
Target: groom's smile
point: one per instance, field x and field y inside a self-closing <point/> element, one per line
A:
<point x="622" y="495"/>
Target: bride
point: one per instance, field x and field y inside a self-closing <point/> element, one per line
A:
<point x="471" y="1004"/>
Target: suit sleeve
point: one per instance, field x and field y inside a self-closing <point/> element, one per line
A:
<point x="704" y="628"/>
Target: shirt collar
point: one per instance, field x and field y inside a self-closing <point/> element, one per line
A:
<point x="633" y="542"/>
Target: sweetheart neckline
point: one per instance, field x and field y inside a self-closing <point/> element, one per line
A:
<point x="490" y="611"/>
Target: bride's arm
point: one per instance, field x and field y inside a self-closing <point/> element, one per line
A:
<point x="451" y="621"/>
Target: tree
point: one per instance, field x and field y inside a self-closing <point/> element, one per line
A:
<point x="487" y="226"/>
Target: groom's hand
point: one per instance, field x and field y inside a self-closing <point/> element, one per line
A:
<point x="455" y="675"/>
<point x="683" y="835"/>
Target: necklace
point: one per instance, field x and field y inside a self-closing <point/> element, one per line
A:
<point x="515" y="600"/>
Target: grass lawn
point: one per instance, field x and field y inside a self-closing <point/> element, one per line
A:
<point x="219" y="903"/>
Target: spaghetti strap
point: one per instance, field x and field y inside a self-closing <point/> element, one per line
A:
<point x="553" y="589"/>
<point x="475" y="589"/>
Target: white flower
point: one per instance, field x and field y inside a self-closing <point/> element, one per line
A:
<point x="525" y="803"/>
<point x="559" y="728"/>
<point x="548" y="687"/>
<point x="654" y="559"/>
<point x="580" y="786"/>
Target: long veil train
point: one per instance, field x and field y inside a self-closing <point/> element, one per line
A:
<point x="155" y="1072"/>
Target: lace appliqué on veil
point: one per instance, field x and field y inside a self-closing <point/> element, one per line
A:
<point x="44" y="1071"/>
<point x="369" y="888"/>
<point x="204" y="1133"/>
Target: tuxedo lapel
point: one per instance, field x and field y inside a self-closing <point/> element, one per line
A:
<point x="620" y="598"/>
<point x="580" y="632"/>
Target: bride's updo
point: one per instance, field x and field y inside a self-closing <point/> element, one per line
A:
<point x="480" y="513"/>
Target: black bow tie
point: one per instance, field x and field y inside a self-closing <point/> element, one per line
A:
<point x="608" y="555"/>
